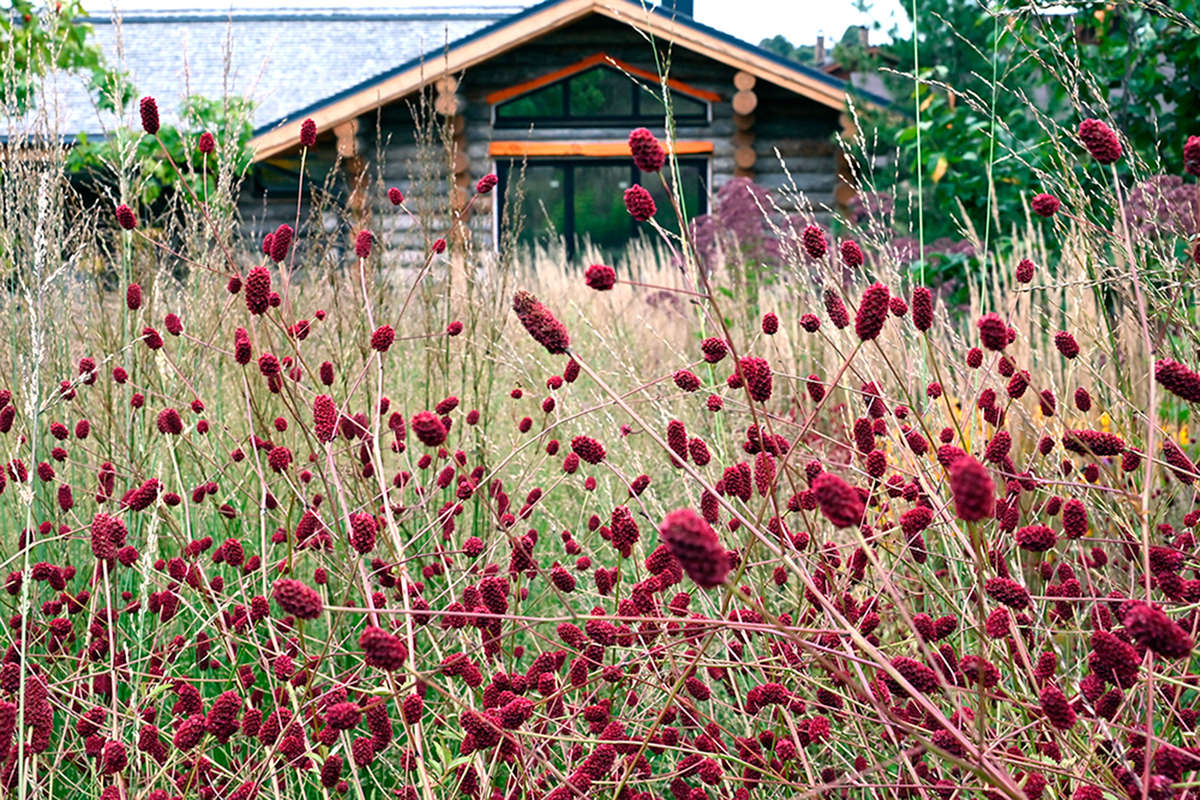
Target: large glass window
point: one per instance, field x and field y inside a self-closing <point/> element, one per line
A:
<point x="599" y="94"/>
<point x="582" y="200"/>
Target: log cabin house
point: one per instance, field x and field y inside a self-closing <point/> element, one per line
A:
<point x="542" y="94"/>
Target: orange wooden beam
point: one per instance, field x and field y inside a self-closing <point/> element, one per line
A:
<point x="516" y="90"/>
<point x="519" y="149"/>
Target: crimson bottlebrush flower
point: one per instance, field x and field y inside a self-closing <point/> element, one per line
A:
<point x="173" y="324"/>
<point x="813" y="239"/>
<point x="428" y="428"/>
<point x="588" y="449"/>
<point x="695" y="546"/>
<point x="713" y="349"/>
<point x="363" y="529"/>
<point x="126" y="218"/>
<point x="207" y="144"/>
<point x="1149" y="626"/>
<point x="836" y="309"/>
<point x="382" y="338"/>
<point x="973" y="489"/>
<point x="1181" y="466"/>
<point x="395" y="196"/>
<point x="258" y="290"/>
<point x="1100" y="141"/>
<point x="1047" y="403"/>
<point x="382" y="649"/>
<point x="142" y="497"/>
<point x="810" y="322"/>
<point x="542" y="325"/>
<point x="648" y="154"/>
<point x="1044" y="205"/>
<point x="1007" y="591"/>
<point x="281" y="242"/>
<point x="439" y="246"/>
<point x="1036" y="538"/>
<point x="639" y="203"/>
<point x="974" y="358"/>
<point x="770" y="324"/>
<point x="1191" y="155"/>
<point x="600" y="277"/>
<point x="1074" y="519"/>
<point x="133" y="297"/>
<point x="1099" y="443"/>
<point x="993" y="333"/>
<point x="362" y="244"/>
<point x="325" y="418"/>
<point x="308" y="133"/>
<point x="297" y="599"/>
<point x="108" y="533"/>
<point x="486" y="183"/>
<point x="1057" y="709"/>
<point x="852" y="254"/>
<point x="279" y="458"/>
<point x="872" y="311"/>
<point x="152" y="338"/>
<point x="918" y="675"/>
<point x="897" y="306"/>
<point x="1066" y="344"/>
<point x="756" y="372"/>
<point x="922" y="308"/>
<point x="149" y="113"/>
<point x="1178" y="379"/>
<point x="839" y="502"/>
<point x="686" y="380"/>
<point x="169" y="422"/>
<point x="454" y="328"/>
<point x="1024" y="271"/>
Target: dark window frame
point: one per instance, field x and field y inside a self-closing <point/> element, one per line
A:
<point x="569" y="120"/>
<point x="505" y="166"/>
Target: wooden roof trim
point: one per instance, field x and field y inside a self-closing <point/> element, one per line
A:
<point x="711" y="46"/>
<point x="532" y="149"/>
<point x="583" y="65"/>
<point x="477" y="50"/>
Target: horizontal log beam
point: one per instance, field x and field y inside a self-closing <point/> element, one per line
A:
<point x="517" y="149"/>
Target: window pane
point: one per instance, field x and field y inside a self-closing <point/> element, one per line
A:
<point x="543" y="203"/>
<point x="600" y="213"/>
<point x="651" y="104"/>
<point x="601" y="92"/>
<point x="691" y="176"/>
<point x="546" y="102"/>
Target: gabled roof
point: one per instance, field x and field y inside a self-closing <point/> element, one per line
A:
<point x="280" y="60"/>
<point x="480" y="45"/>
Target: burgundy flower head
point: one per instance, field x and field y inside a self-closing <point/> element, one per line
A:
<point x="126" y="218"/>
<point x="813" y="239"/>
<point x="973" y="489"/>
<point x="149" y="113"/>
<point x="1191" y="155"/>
<point x="922" y="308"/>
<point x="395" y="196"/>
<point x="1044" y="205"/>
<point x="362" y="244"/>
<point x="852" y="254"/>
<point x="872" y="312"/>
<point x="1176" y="378"/>
<point x="486" y="183"/>
<point x="639" y="203"/>
<point x="695" y="546"/>
<point x="297" y="599"/>
<point x="258" y="290"/>
<point x="545" y="329"/>
<point x="993" y="333"/>
<point x="1154" y="629"/>
<point x="308" y="133"/>
<point x="382" y="649"/>
<point x="281" y="242"/>
<point x="838" y="500"/>
<point x="1100" y="141"/>
<point x="600" y="277"/>
<point x="836" y="309"/>
<point x="207" y="144"/>
<point x="648" y="154"/>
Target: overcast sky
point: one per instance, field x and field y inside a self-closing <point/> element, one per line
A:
<point x="753" y="20"/>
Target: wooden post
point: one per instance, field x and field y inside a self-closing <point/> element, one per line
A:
<point x="744" y="103"/>
<point x="451" y="106"/>
<point x="844" y="190"/>
<point x="355" y="167"/>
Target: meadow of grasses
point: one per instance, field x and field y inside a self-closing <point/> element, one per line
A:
<point x="278" y="524"/>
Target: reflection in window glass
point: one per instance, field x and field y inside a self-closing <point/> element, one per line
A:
<point x="544" y="203"/>
<point x="598" y="93"/>
<point x="545" y="103"/>
<point x="600" y="213"/>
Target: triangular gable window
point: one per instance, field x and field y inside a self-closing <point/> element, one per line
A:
<point x="597" y="95"/>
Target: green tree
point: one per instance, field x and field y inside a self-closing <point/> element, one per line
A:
<point x="779" y="45"/>
<point x="36" y="38"/>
